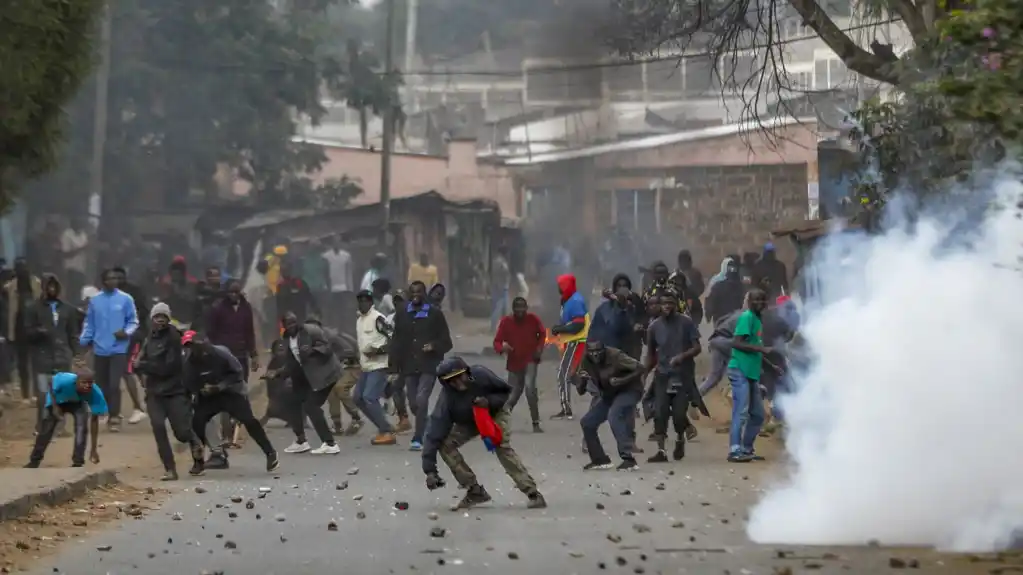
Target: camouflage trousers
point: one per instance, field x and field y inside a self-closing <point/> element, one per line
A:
<point x="461" y="434"/>
<point x="341" y="395"/>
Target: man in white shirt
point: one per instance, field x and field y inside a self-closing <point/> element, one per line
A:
<point x="371" y="330"/>
<point x="73" y="244"/>
<point x="342" y="278"/>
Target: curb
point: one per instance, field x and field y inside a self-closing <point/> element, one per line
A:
<point x="56" y="495"/>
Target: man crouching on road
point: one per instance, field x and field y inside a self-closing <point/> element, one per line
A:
<point x="452" y="424"/>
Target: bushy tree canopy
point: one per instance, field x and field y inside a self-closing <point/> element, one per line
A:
<point x="45" y="55"/>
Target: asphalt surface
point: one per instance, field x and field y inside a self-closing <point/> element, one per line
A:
<point x="684" y="517"/>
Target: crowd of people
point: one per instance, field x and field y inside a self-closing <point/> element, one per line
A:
<point x="193" y="346"/>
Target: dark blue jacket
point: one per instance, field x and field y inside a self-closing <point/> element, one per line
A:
<point x="611" y="325"/>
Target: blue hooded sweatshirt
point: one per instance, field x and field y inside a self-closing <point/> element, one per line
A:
<point x="610" y="325"/>
<point x="109" y="312"/>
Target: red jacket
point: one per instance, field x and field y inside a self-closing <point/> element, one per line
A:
<point x="526" y="337"/>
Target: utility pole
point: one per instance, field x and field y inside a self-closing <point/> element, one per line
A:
<point x="388" y="144"/>
<point x="99" y="141"/>
<point x="411" y="23"/>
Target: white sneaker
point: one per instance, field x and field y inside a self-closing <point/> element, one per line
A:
<point x="326" y="450"/>
<point x="297" y="447"/>
<point x="136" y="417"/>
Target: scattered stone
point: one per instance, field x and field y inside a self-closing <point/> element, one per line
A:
<point x="265" y="489"/>
<point x="513" y="555"/>
<point x="783" y="570"/>
<point x="230" y="545"/>
<point x="357" y="497"/>
<point x="236" y="499"/>
<point x="651" y="509"/>
<point x="621" y="561"/>
<point x="332" y="525"/>
<point x="353" y="471"/>
<point x="401" y="505"/>
<point x="873" y="543"/>
<point x="631" y="513"/>
<point x="341" y="486"/>
<point x="660" y="487"/>
<point x="614" y="538"/>
<point x="258" y="516"/>
<point x="177" y="517"/>
<point x="600" y="506"/>
<point x="283" y="538"/>
<point x="433" y="516"/>
<point x="575" y="554"/>
<point x="232" y="515"/>
<point x="360" y="515"/>
<point x="22" y="546"/>
<point x="601" y="565"/>
<point x="220" y="535"/>
<point x="640" y="528"/>
<point x="437" y="532"/>
<point x="104" y="547"/>
<point x="639" y="569"/>
<point x="813" y="566"/>
<point x="150" y="491"/>
<point x="626" y="492"/>
<point x="200" y="490"/>
<point x="896" y="563"/>
<point x="280" y="517"/>
<point x="80" y="523"/>
<point x="250" y="504"/>
<point x="678" y="525"/>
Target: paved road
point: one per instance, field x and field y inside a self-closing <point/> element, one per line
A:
<point x="673" y="518"/>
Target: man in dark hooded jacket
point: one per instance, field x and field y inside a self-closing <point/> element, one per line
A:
<point x="167" y="401"/>
<point x="52" y="330"/>
<point x="693" y="286"/>
<point x="453" y="423"/>
<point x="771" y="267"/>
<point x="726" y="295"/>
<point x="180" y="291"/>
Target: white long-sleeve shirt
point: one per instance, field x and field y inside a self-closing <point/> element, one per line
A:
<point x="340" y="266"/>
<point x="370" y="338"/>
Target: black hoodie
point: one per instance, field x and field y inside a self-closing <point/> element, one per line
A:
<point x="160" y="361"/>
<point x="455" y="408"/>
<point x="726" y="295"/>
<point x="52" y="328"/>
<point x="633" y="343"/>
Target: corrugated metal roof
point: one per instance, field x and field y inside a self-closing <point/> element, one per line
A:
<point x="655" y="141"/>
<point x="272" y="217"/>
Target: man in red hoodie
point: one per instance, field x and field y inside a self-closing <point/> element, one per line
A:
<point x="571" y="331"/>
<point x="521" y="337"/>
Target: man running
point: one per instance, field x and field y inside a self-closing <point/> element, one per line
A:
<point x="453" y="423"/>
<point x="520" y="337"/>
<point x="571" y="331"/>
<point x="214" y="376"/>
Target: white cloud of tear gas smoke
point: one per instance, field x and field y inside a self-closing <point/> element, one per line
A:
<point x="907" y="427"/>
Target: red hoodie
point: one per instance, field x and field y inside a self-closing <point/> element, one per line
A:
<point x="526" y="337"/>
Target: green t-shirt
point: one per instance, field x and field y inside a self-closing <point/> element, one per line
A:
<point x="748" y="363"/>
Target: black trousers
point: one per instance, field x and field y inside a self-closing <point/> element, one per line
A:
<point x="237" y="406"/>
<point x="176" y="410"/>
<point x="669" y="405"/>
<point x="80" y="412"/>
<point x="310" y="402"/>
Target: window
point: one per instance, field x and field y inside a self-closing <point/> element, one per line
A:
<point x="830" y="74"/>
<point x="636" y="210"/>
<point x="793" y="28"/>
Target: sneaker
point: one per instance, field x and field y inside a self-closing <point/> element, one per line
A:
<point x="598" y="465"/>
<point x="659" y="457"/>
<point x="353" y="427"/>
<point x="217" y="460"/>
<point x="384" y="439"/>
<point x="298" y="447"/>
<point x="170" y="475"/>
<point x="739" y="457"/>
<point x="136" y="417"/>
<point x="536" y="501"/>
<point x="32" y="465"/>
<point x="273" y="463"/>
<point x="114" y="425"/>
<point x="404" y="426"/>
<point x="78" y="464"/>
<point x="628" y="465"/>
<point x="198" y="468"/>
<point x="691" y="432"/>
<point x="562" y="415"/>
<point x="475" y="496"/>
<point x="680" y="450"/>
<point x="755" y="457"/>
<point x="415" y="445"/>
<point x="536" y="427"/>
<point x="326" y="449"/>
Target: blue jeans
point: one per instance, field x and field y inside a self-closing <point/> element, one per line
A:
<point x="367" y="393"/>
<point x="747" y="412"/>
<point x="498" y="306"/>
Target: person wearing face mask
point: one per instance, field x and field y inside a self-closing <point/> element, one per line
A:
<point x="314" y="369"/>
<point x="160" y="363"/>
<point x="727" y="294"/>
<point x="673" y="342"/>
<point x="52" y="329"/>
<point x="421" y="338"/>
<point x="618" y="382"/>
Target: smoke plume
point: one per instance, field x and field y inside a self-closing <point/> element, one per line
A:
<point x="905" y="427"/>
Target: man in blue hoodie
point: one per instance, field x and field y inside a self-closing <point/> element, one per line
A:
<point x="109" y="323"/>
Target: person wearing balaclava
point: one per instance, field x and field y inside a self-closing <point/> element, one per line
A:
<point x="726" y="296"/>
<point x="771" y="267"/>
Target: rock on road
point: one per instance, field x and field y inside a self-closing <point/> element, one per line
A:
<point x="342" y="513"/>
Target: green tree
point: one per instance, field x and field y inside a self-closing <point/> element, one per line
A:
<point x="45" y="55"/>
<point x="196" y="86"/>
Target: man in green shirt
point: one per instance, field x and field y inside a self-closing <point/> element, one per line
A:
<point x="744" y="370"/>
